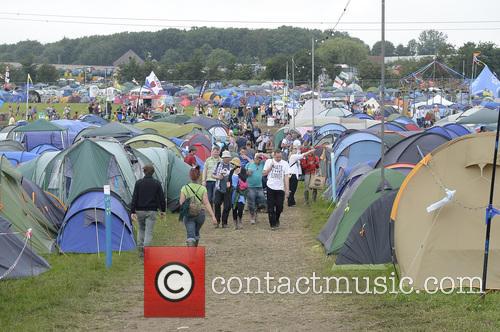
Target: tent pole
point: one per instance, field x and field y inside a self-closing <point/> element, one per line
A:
<point x="490" y="211"/>
<point x="382" y="100"/>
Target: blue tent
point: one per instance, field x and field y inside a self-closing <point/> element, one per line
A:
<point x="39" y="149"/>
<point x="486" y="80"/>
<point x="458" y="129"/>
<point x="362" y="116"/>
<point x="83" y="228"/>
<point x="352" y="149"/>
<point x="389" y="126"/>
<point x="18" y="157"/>
<point x="334" y="129"/>
<point x="442" y="131"/>
<point x="73" y="127"/>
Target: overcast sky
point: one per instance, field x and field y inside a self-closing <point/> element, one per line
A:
<point x="15" y="28"/>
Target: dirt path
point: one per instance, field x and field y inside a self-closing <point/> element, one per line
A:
<point x="248" y="252"/>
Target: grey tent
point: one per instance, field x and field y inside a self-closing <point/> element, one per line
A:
<point x="412" y="149"/>
<point x="483" y="116"/>
<point x="369" y="240"/>
<point x="47" y="203"/>
<point x="121" y="131"/>
<point x="13" y="249"/>
<point x="11" y="145"/>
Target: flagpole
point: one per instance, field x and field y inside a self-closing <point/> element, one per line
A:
<point x="382" y="100"/>
<point x="27" y="94"/>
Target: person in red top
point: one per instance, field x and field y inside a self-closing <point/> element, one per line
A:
<point x="310" y="165"/>
<point x="190" y="158"/>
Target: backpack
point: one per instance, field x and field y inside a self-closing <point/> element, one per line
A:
<point x="192" y="206"/>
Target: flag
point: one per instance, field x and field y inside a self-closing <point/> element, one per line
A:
<point x="7" y="74"/>
<point x="338" y="83"/>
<point x="475" y="54"/>
<point x="153" y="83"/>
<point x="203" y="88"/>
<point x="29" y="78"/>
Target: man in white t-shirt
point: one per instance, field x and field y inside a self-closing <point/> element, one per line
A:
<point x="277" y="172"/>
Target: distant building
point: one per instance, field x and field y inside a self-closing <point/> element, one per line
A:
<point x="126" y="57"/>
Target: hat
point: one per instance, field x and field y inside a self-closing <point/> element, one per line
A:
<point x="236" y="161"/>
<point x="226" y="154"/>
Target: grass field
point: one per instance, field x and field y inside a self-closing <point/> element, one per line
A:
<point x="464" y="312"/>
<point x="75" y="288"/>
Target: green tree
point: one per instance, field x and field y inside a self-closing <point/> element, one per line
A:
<point x="242" y="72"/>
<point x="401" y="50"/>
<point x="368" y="70"/>
<point x="430" y="42"/>
<point x="131" y="70"/>
<point x="276" y="67"/>
<point x="377" y="48"/>
<point x="47" y="74"/>
<point x="220" y="62"/>
<point x="341" y="51"/>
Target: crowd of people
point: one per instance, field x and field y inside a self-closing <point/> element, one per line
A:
<point x="239" y="177"/>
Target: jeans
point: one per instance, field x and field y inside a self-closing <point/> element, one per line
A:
<point x="275" y="200"/>
<point x="294" y="182"/>
<point x="193" y="226"/>
<point x="307" y="180"/>
<point x="255" y="198"/>
<point x="210" y="191"/>
<point x="238" y="211"/>
<point x="146" y="221"/>
<point x="221" y="198"/>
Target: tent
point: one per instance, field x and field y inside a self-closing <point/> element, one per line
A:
<point x="48" y="204"/>
<point x="483" y="116"/>
<point x="486" y="81"/>
<point x="90" y="163"/>
<point x="329" y="129"/>
<point x="117" y="130"/>
<point x="458" y="129"/>
<point x="20" y="211"/>
<point x="353" y="203"/>
<point x="353" y="149"/>
<point x="170" y="170"/>
<point x="352" y="175"/>
<point x="412" y="149"/>
<point x="83" y="229"/>
<point x="74" y="127"/>
<point x="449" y="241"/>
<point x="336" y="111"/>
<point x="167" y="129"/>
<point x="35" y="169"/>
<point x="174" y="118"/>
<point x="11" y="145"/>
<point x="401" y="167"/>
<point x="42" y="148"/>
<point x="17" y="260"/>
<point x="369" y="240"/>
<point x="389" y="126"/>
<point x="42" y="132"/>
<point x="205" y="122"/>
<point x="151" y="140"/>
<point x="218" y="131"/>
<point x="18" y="157"/>
<point x="93" y="119"/>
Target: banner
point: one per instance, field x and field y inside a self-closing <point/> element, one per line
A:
<point x="203" y="88"/>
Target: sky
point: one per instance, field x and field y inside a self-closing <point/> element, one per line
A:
<point x="461" y="20"/>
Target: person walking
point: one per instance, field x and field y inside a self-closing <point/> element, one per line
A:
<point x="207" y="179"/>
<point x="222" y="195"/>
<point x="295" y="172"/>
<point x="239" y="186"/>
<point x="255" y="195"/>
<point x="147" y="199"/>
<point x="277" y="172"/>
<point x="194" y="221"/>
<point x="310" y="165"/>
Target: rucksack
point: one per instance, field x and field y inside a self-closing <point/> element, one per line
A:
<point x="242" y="185"/>
<point x="193" y="204"/>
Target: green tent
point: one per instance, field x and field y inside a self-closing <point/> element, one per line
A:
<point x="34" y="169"/>
<point x="90" y="163"/>
<point x="170" y="170"/>
<point x="120" y="131"/>
<point x="175" y="118"/>
<point x="17" y="207"/>
<point x="152" y="140"/>
<point x="38" y="125"/>
<point x="168" y="129"/>
<point x="353" y="203"/>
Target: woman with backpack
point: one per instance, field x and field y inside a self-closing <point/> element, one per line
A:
<point x="194" y="202"/>
<point x="239" y="188"/>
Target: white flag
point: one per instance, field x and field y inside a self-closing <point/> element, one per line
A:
<point x="153" y="83"/>
<point x="338" y="83"/>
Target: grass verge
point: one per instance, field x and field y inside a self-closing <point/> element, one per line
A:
<point x="76" y="287"/>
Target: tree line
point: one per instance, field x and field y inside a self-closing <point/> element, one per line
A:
<point x="240" y="54"/>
